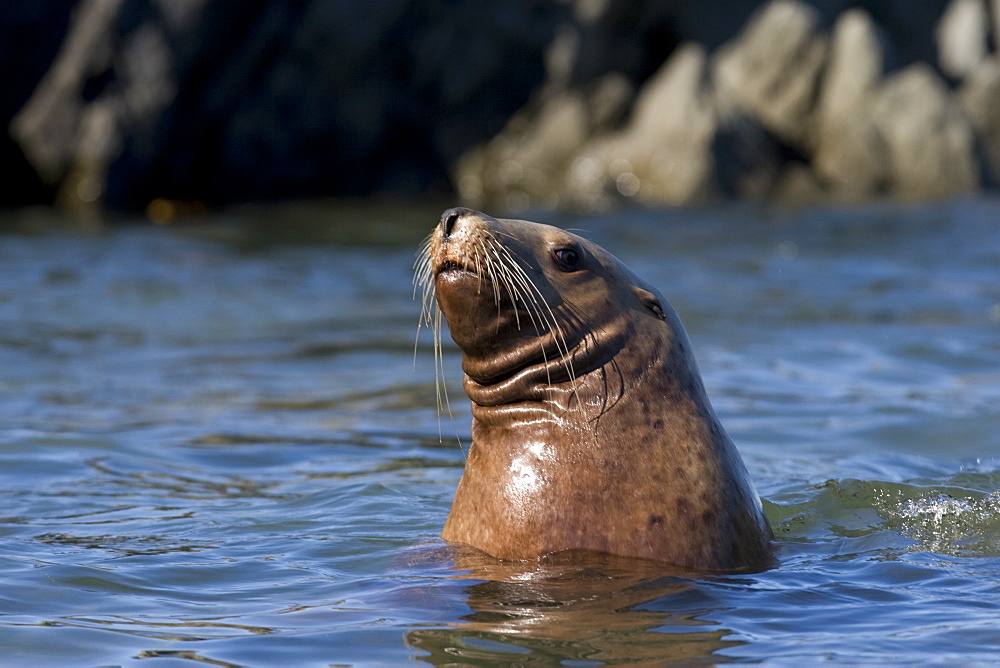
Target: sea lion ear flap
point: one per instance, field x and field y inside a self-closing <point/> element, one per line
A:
<point x="650" y="301"/>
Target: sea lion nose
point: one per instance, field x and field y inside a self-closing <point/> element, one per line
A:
<point x="450" y="218"/>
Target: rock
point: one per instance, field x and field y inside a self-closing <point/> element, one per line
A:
<point x="526" y="102"/>
<point x="678" y="147"/>
<point x="797" y="186"/>
<point x="849" y="153"/>
<point x="961" y="37"/>
<point x="663" y="155"/>
<point x="47" y="127"/>
<point x="31" y="34"/>
<point x="853" y="161"/>
<point x="748" y="159"/>
<point x="71" y="130"/>
<point x="995" y="17"/>
<point x="774" y="79"/>
<point x="929" y="142"/>
<point x="855" y="66"/>
<point x="524" y="164"/>
<point x="529" y="162"/>
<point x="188" y="99"/>
<point x="980" y="96"/>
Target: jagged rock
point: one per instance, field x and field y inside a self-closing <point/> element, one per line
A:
<point x="853" y="159"/>
<point x="679" y="148"/>
<point x="663" y="155"/>
<point x="523" y="165"/>
<point x="995" y="17"/>
<point x="772" y="68"/>
<point x="980" y="96"/>
<point x="70" y="137"/>
<point x="188" y="99"/>
<point x="518" y="103"/>
<point x="698" y="132"/>
<point x="797" y="185"/>
<point x="676" y="148"/>
<point x="961" y="37"/>
<point x="48" y="126"/>
<point x="855" y="66"/>
<point x="849" y="153"/>
<point x="530" y="161"/>
<point x="929" y="142"/>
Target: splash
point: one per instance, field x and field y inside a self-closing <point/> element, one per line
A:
<point x="957" y="516"/>
<point x="952" y="525"/>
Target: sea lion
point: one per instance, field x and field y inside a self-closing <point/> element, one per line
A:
<point x="591" y="426"/>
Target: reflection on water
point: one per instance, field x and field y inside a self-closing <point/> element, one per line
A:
<point x="572" y="607"/>
<point x="217" y="446"/>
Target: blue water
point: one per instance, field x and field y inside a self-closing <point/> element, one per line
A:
<point x="217" y="445"/>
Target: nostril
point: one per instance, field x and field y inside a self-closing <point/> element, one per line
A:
<point x="450" y="218"/>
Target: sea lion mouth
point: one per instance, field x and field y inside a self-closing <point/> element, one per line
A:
<point x="451" y="266"/>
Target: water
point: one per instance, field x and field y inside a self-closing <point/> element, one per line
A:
<point x="216" y="446"/>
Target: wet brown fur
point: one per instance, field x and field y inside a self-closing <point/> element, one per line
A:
<point x="591" y="426"/>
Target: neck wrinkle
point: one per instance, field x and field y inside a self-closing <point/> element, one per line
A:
<point x="556" y="385"/>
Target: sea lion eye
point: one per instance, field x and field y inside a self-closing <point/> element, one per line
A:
<point x="568" y="259"/>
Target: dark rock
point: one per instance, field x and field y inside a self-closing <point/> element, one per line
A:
<point x="749" y="160"/>
<point x="221" y="100"/>
<point x="31" y="34"/>
<point x="102" y="87"/>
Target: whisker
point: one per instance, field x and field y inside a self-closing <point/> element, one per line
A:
<point x="508" y="275"/>
<point x="548" y="317"/>
<point x="431" y="317"/>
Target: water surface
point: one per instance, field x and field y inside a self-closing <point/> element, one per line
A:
<point x="217" y="446"/>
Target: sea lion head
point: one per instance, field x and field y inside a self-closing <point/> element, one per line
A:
<point x="536" y="310"/>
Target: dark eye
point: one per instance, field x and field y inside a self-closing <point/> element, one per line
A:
<point x="568" y="259"/>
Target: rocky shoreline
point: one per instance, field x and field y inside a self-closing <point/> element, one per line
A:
<point x="786" y="110"/>
<point x="531" y="103"/>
